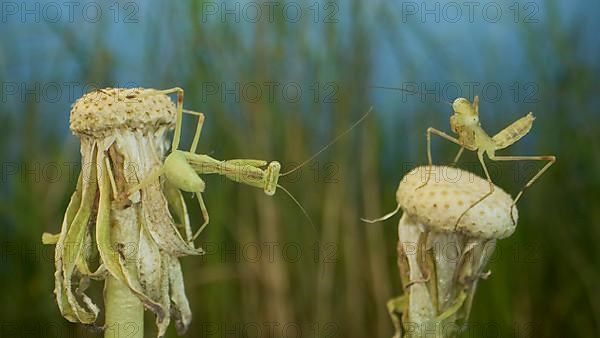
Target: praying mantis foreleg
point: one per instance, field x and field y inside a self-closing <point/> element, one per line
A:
<point x="458" y="155"/>
<point x="440" y="133"/>
<point x="250" y="162"/>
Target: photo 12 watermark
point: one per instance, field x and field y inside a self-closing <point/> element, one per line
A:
<point x="269" y="11"/>
<point x="69" y="11"/>
<point x="469" y="11"/>
<point x="518" y="253"/>
<point x="51" y="91"/>
<point x="255" y="329"/>
<point x="269" y="91"/>
<point x="62" y="329"/>
<point x="471" y="329"/>
<point x="492" y="92"/>
<point x="322" y="172"/>
<point x="254" y="252"/>
<point x="517" y="174"/>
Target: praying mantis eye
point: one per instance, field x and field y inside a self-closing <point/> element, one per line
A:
<point x="461" y="105"/>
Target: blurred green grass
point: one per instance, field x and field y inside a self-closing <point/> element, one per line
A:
<point x="544" y="278"/>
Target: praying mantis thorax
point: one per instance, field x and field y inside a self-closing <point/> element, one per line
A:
<point x="241" y="171"/>
<point x="465" y="123"/>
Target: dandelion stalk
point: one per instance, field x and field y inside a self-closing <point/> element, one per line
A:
<point x="124" y="311"/>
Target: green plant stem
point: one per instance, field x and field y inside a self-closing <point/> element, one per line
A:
<point x="124" y="311"/>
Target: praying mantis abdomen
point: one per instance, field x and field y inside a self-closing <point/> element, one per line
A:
<point x="513" y="132"/>
<point x="179" y="173"/>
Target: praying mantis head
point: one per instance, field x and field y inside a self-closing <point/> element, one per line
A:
<point x="271" y="178"/>
<point x="465" y="112"/>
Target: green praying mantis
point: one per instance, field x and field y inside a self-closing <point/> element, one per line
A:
<point x="183" y="168"/>
<point x="471" y="135"/>
<point x="464" y="121"/>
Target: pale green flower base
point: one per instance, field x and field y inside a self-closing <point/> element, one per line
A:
<point x="124" y="311"/>
<point x="438" y="287"/>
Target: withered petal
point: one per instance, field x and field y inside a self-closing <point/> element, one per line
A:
<point x="160" y="223"/>
<point x="61" y="298"/>
<point x="149" y="263"/>
<point x="163" y="323"/>
<point x="75" y="236"/>
<point x="181" y="307"/>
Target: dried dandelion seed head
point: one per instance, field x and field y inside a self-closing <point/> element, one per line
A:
<point x="441" y="260"/>
<point x="106" y="111"/>
<point x="439" y="204"/>
<point x="136" y="241"/>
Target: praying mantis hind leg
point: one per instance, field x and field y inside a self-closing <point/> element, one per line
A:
<point x="491" y="191"/>
<point x="550" y="158"/>
<point x="204" y="215"/>
<point x="198" y="132"/>
<point x="440" y="133"/>
<point x="179" y="107"/>
<point x="175" y="145"/>
<point x="179" y="118"/>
